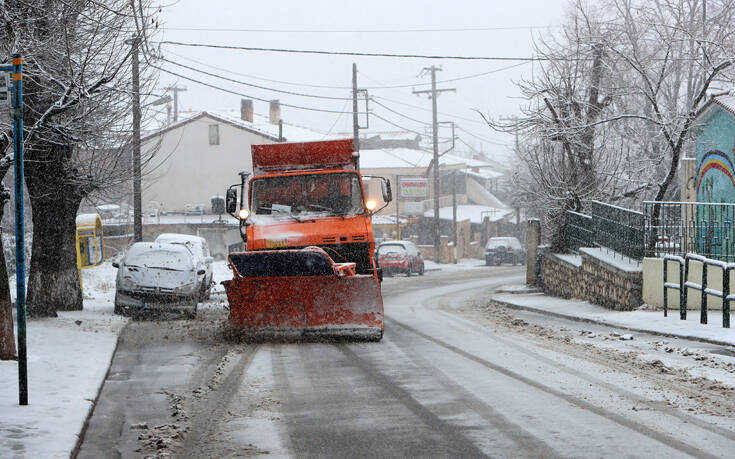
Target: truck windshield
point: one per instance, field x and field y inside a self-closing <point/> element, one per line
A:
<point x="317" y="194"/>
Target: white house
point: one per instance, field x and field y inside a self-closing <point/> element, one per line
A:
<point x="188" y="162"/>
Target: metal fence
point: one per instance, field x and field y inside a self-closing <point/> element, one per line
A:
<point x="618" y="229"/>
<point x="690" y="227"/>
<point x="607" y="226"/>
<point x="578" y="231"/>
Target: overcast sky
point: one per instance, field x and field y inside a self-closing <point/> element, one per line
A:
<point x="295" y="22"/>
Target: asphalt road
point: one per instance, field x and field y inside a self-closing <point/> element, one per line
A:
<point x="452" y="377"/>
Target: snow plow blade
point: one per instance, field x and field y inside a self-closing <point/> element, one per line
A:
<point x="302" y="293"/>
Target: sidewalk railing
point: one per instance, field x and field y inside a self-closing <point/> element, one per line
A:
<point x="685" y="284"/>
<point x="690" y="227"/>
<point x="609" y="226"/>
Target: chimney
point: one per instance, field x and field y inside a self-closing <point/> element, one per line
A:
<point x="246" y="110"/>
<point x="275" y="111"/>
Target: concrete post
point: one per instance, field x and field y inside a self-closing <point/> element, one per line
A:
<point x="533" y="240"/>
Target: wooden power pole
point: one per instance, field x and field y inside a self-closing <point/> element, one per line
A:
<point x="433" y="93"/>
<point x="355" y="120"/>
<point x="176" y="90"/>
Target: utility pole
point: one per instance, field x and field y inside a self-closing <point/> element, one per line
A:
<point x="355" y="120"/>
<point x="433" y="93"/>
<point x="454" y="212"/>
<point x="176" y="90"/>
<point x="137" y="201"/>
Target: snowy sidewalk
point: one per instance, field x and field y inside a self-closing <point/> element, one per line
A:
<point x="68" y="358"/>
<point x="640" y="321"/>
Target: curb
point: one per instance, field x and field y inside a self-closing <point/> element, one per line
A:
<point x="602" y="322"/>
<point x="80" y="437"/>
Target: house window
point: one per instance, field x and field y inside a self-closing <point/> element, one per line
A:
<point x="214" y="134"/>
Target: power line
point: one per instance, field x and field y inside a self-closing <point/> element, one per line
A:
<point x="451" y="29"/>
<point x="395" y="125"/>
<point x="428" y="110"/>
<point x="309" y="85"/>
<point x="293" y="93"/>
<point x="364" y="54"/>
<point x="194" y="80"/>
<point x="398" y="113"/>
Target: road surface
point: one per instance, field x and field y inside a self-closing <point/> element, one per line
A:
<point x="453" y="376"/>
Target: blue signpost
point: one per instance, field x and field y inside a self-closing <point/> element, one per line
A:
<point x="16" y="90"/>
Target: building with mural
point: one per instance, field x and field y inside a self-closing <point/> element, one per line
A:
<point x="714" y="175"/>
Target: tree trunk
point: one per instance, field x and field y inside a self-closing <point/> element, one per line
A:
<point x="7" y="338"/>
<point x="53" y="282"/>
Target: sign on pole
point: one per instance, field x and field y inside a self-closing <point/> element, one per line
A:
<point x="413" y="187"/>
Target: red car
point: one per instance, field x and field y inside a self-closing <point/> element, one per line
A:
<point x="399" y="257"/>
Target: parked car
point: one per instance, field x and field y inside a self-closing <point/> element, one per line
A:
<point x="399" y="257"/>
<point x="501" y="250"/>
<point x="156" y="277"/>
<point x="202" y="257"/>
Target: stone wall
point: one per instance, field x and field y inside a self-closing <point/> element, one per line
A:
<point x="593" y="279"/>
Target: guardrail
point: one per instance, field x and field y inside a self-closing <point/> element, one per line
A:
<point x="684" y="285"/>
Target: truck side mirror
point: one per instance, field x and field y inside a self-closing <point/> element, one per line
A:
<point x="387" y="194"/>
<point x="231" y="201"/>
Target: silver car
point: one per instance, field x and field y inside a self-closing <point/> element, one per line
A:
<point x="202" y="258"/>
<point x="155" y="277"/>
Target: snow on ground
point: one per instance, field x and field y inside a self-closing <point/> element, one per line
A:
<point x="68" y="357"/>
<point x="613" y="258"/>
<point x="640" y="320"/>
<point x="463" y="263"/>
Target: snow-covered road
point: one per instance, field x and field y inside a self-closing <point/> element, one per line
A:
<point x="451" y="378"/>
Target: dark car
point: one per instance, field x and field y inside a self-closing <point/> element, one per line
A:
<point x="399" y="257"/>
<point x="501" y="250"/>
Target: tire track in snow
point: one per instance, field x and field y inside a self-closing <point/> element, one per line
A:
<point x="576" y="401"/>
<point x="656" y="405"/>
<point x="209" y="409"/>
<point x="462" y="445"/>
<point x="527" y="442"/>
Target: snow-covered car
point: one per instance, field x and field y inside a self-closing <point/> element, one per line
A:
<point x="499" y="250"/>
<point x="202" y="257"/>
<point x="399" y="257"/>
<point x="156" y="277"/>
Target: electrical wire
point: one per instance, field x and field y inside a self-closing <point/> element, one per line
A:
<point x="398" y="113"/>
<point x="291" y="83"/>
<point x="298" y="107"/>
<point x="458" y="29"/>
<point x="364" y="54"/>
<point x="293" y="93"/>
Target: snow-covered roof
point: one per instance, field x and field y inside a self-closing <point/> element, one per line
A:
<point x="408" y="157"/>
<point x="484" y="173"/>
<point x="725" y="101"/>
<point x="260" y="125"/>
<point x="387" y="220"/>
<point x="473" y="213"/>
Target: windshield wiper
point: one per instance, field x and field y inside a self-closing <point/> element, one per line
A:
<point x="165" y="268"/>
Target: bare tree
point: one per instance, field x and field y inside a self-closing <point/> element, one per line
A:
<point x="76" y="115"/>
<point x="612" y="107"/>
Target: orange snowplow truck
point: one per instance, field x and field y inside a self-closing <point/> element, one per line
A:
<point x="308" y="268"/>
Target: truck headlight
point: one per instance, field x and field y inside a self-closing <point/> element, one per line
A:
<point x="371" y="204"/>
<point x="243" y="214"/>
